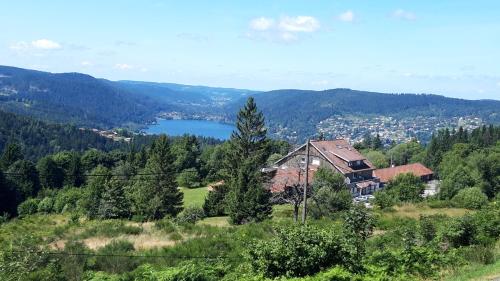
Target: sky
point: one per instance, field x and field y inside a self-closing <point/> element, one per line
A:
<point x="445" y="47"/>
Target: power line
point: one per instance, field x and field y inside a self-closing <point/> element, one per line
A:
<point x="122" y="255"/>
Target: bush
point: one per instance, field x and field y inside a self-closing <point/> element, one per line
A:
<point x="407" y="187"/>
<point x="28" y="207"/>
<point x="478" y="254"/>
<point x="114" y="258"/>
<point x="189" y="178"/>
<point x="186" y="272"/>
<point x="296" y="251"/>
<point x="110" y="228"/>
<point x="46" y="205"/>
<point x="190" y="215"/>
<point x="328" y="202"/>
<point x="384" y="199"/>
<point x="471" y="198"/>
<point x="66" y="199"/>
<point x="166" y="225"/>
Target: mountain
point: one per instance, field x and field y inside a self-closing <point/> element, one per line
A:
<point x="72" y="98"/>
<point x="86" y="101"/>
<point x="188" y="99"/>
<point x="298" y="112"/>
<point x="291" y="114"/>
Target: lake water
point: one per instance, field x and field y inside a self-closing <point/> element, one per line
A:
<point x="193" y="127"/>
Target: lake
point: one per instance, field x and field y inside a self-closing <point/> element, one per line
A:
<point x="204" y="128"/>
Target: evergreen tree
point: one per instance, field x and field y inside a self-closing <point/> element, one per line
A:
<point x="377" y="143"/>
<point x="24" y="176"/>
<point x="11" y="154"/>
<point x="51" y="175"/>
<point x="114" y="204"/>
<point x="74" y="176"/>
<point x="155" y="193"/>
<point x="249" y="150"/>
<point x="8" y="197"/>
<point x="95" y="188"/>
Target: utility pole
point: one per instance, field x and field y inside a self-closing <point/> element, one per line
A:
<point x="304" y="210"/>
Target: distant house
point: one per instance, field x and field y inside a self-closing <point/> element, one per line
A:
<point x="419" y="170"/>
<point x="337" y="155"/>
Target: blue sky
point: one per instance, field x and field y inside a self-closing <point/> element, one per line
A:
<point x="421" y="46"/>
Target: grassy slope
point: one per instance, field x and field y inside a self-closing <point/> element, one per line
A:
<point x="56" y="230"/>
<point x="194" y="197"/>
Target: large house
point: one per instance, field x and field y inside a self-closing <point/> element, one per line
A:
<point x="337" y="155"/>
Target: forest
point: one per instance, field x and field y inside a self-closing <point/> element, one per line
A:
<point x="188" y="208"/>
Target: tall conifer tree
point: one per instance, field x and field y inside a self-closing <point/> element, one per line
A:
<point x="249" y="150"/>
<point x="155" y="192"/>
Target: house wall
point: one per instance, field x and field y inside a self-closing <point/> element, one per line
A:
<point x="315" y="159"/>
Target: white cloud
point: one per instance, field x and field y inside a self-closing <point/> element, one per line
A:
<point x="45" y="44"/>
<point x="86" y="63"/>
<point x="347" y="16"/>
<point x="40" y="44"/>
<point x="299" y="24"/>
<point x="403" y="15"/>
<point x="262" y="23"/>
<point x="285" y="29"/>
<point x="19" y="46"/>
<point x="123" y="66"/>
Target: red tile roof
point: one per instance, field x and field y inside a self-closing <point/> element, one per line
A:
<point x="387" y="174"/>
<point x="340" y="148"/>
<point x="289" y="176"/>
<point x="339" y="152"/>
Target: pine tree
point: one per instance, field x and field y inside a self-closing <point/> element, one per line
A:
<point x="95" y="188"/>
<point x="114" y="204"/>
<point x="249" y="150"/>
<point x="155" y="193"/>
<point x="11" y="153"/>
<point x="51" y="175"/>
<point x="8" y="197"/>
<point x="377" y="143"/>
<point x="24" y="176"/>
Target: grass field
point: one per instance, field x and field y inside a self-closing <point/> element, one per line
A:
<point x="194" y="197"/>
<point x="415" y="210"/>
<point x="478" y="272"/>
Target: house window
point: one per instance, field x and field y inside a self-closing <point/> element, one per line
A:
<point x="316" y="161"/>
<point x="358" y="163"/>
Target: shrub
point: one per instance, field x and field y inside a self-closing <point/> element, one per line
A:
<point x="66" y="199"/>
<point x="166" y="225"/>
<point x="478" y="254"/>
<point x="46" y="205"/>
<point x="384" y="199"/>
<point x="189" y="178"/>
<point x="110" y="228"/>
<point x="186" y="272"/>
<point x="114" y="258"/>
<point x="471" y="198"/>
<point x="28" y="207"/>
<point x="462" y="231"/>
<point x="328" y="201"/>
<point x="407" y="187"/>
<point x="296" y="251"/>
<point x="190" y="215"/>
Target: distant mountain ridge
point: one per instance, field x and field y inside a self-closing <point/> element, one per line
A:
<point x="86" y="101"/>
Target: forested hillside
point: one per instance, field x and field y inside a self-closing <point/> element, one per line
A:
<point x="72" y="98"/>
<point x="301" y="110"/>
<point x="291" y="114"/>
<point x="37" y="138"/>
